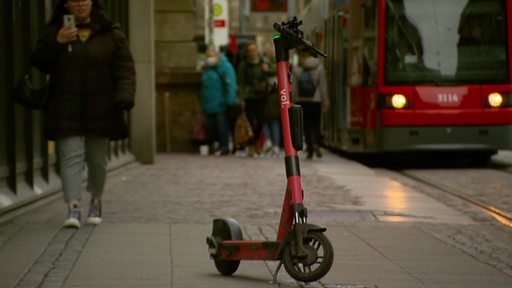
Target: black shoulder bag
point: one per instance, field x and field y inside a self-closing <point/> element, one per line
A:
<point x="29" y="95"/>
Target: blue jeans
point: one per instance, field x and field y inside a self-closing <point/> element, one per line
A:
<point x="272" y="130"/>
<point x="217" y="127"/>
<point x="73" y="153"/>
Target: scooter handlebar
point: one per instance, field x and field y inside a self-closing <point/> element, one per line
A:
<point x="297" y="39"/>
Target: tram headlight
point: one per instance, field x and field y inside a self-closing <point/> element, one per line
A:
<point x="398" y="101"/>
<point x="495" y="99"/>
<point x="393" y="101"/>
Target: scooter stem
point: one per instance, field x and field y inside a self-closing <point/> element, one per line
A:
<point x="293" y="197"/>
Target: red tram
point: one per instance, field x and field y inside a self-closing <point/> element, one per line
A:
<point x="418" y="75"/>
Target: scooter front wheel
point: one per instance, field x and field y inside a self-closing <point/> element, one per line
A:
<point x="316" y="264"/>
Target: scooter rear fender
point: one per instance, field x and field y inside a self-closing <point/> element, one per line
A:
<point x="223" y="229"/>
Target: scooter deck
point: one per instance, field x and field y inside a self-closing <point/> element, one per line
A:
<point x="249" y="250"/>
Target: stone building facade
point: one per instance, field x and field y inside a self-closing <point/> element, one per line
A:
<point x="178" y="27"/>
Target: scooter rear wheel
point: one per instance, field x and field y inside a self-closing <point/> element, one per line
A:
<point x="318" y="262"/>
<point x="226" y="229"/>
<point x="227" y="267"/>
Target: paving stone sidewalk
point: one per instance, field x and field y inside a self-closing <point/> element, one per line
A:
<point x="158" y="216"/>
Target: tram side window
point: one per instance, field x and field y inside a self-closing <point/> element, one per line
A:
<point x="369" y="64"/>
<point x="404" y="48"/>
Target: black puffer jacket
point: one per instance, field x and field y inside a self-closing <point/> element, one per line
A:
<point x="91" y="85"/>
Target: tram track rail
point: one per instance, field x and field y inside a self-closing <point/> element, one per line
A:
<point x="500" y="215"/>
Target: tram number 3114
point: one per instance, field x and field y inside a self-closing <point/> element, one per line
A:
<point x="448" y="98"/>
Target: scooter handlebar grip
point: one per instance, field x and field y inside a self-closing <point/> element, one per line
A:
<point x="284" y="31"/>
<point x="300" y="41"/>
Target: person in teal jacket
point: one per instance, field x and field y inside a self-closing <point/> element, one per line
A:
<point x="218" y="92"/>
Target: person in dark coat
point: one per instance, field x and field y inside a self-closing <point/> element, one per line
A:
<point x="313" y="106"/>
<point x="253" y="79"/>
<point x="92" y="85"/>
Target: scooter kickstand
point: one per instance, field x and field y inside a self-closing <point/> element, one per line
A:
<point x="274" y="276"/>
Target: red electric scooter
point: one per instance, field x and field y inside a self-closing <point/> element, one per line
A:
<point x="302" y="248"/>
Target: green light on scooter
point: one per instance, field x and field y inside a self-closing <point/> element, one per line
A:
<point x="277" y="36"/>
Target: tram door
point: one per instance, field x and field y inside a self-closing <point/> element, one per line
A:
<point x="361" y="61"/>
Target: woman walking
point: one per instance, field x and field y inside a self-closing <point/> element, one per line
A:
<point x="92" y="84"/>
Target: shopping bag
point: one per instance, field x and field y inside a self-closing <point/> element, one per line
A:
<point x="243" y="130"/>
<point x="198" y="130"/>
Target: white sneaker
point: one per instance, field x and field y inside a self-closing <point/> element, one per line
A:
<point x="73" y="220"/>
<point x="94" y="217"/>
<point x="267" y="145"/>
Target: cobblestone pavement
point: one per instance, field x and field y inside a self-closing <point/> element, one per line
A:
<point x="185" y="190"/>
<point x="250" y="190"/>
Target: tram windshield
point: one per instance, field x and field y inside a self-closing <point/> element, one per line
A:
<point x="446" y="42"/>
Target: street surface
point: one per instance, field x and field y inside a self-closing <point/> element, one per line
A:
<point x="385" y="233"/>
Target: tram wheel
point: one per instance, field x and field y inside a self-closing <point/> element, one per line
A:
<point x="320" y="256"/>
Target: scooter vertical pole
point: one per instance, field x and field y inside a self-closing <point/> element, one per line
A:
<point x="301" y="248"/>
<point x="293" y="193"/>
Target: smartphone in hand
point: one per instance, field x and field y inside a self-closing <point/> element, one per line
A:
<point x="69" y="20"/>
